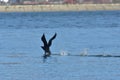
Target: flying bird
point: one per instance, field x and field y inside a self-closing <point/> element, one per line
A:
<point x="46" y="46"/>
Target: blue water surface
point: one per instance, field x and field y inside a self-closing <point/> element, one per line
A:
<point x="97" y="32"/>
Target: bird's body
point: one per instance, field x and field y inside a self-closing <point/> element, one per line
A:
<point x="47" y="45"/>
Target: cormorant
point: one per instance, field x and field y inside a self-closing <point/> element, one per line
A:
<point x="47" y="45"/>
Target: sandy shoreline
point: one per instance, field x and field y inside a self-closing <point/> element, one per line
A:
<point x="66" y="7"/>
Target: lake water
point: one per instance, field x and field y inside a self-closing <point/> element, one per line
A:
<point x="94" y="33"/>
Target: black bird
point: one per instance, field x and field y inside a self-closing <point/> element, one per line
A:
<point x="47" y="45"/>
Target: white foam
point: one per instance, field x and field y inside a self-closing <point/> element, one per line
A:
<point x="85" y="52"/>
<point x="64" y="53"/>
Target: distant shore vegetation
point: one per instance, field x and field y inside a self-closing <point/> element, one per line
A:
<point x="38" y="2"/>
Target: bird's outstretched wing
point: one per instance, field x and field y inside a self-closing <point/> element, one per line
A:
<point x="44" y="40"/>
<point x="50" y="41"/>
